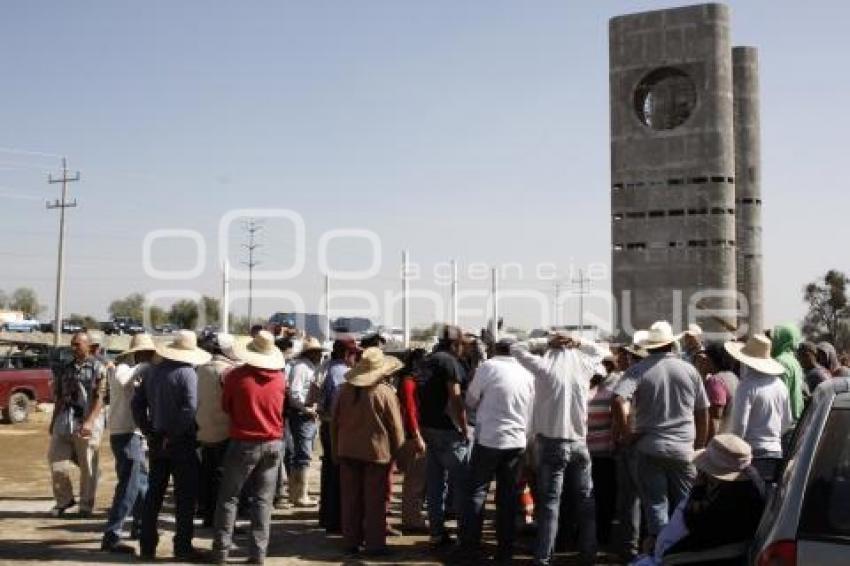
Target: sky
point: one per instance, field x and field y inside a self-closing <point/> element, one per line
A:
<point x="475" y="131"/>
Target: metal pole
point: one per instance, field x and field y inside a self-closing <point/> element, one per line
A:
<point x="581" y="300"/>
<point x="225" y="297"/>
<point x="61" y="204"/>
<point x="454" y="293"/>
<point x="494" y="291"/>
<point x="405" y="299"/>
<point x="327" y="307"/>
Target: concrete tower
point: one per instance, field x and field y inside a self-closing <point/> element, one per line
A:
<point x="745" y="79"/>
<point x="673" y="168"/>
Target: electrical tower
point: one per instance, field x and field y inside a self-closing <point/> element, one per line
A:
<point x="62" y="203"/>
<point x="251" y="229"/>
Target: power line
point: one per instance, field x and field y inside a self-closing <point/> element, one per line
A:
<point x="251" y="228"/>
<point x="62" y="203"/>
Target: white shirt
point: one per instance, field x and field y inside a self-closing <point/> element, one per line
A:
<point x="501" y="392"/>
<point x="122" y="386"/>
<point x="301" y="375"/>
<point x="561" y="385"/>
<point x="761" y="411"/>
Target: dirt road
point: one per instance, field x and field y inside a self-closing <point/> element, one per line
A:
<point x="28" y="534"/>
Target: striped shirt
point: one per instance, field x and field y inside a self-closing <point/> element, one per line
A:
<point x="600" y="441"/>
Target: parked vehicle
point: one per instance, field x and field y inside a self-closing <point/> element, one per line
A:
<point x="311" y="324"/>
<point x="122" y="325"/>
<point x="167" y="328"/>
<point x="26" y="325"/>
<point x="26" y="377"/>
<point x="807" y="516"/>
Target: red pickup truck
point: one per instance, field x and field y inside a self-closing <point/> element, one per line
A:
<point x="26" y="377"/>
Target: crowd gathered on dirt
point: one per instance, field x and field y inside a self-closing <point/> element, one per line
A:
<point x="661" y="445"/>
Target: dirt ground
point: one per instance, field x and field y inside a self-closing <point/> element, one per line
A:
<point x="29" y="535"/>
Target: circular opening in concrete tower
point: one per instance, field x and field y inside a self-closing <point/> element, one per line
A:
<point x="665" y="98"/>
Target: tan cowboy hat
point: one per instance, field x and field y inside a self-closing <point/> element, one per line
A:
<point x="755" y="354"/>
<point x="372" y="368"/>
<point x="184" y="348"/>
<point x="725" y="458"/>
<point x="636" y="349"/>
<point x="260" y="352"/>
<point x="138" y="343"/>
<point x="311" y="343"/>
<point x="660" y="334"/>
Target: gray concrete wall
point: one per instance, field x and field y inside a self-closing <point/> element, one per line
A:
<point x="673" y="190"/>
<point x="748" y="186"/>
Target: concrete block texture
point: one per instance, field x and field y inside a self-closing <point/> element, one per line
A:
<point x="673" y="168"/>
<point x="747" y="118"/>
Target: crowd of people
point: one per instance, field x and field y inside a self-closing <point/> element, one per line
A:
<point x="662" y="445"/>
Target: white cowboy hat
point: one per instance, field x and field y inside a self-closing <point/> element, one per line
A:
<point x="694" y="330"/>
<point x="226" y="343"/>
<point x="260" y="352"/>
<point x="138" y="343"/>
<point x="636" y="349"/>
<point x="755" y="354"/>
<point x="660" y="334"/>
<point x="725" y="458"/>
<point x="372" y="368"/>
<point x="184" y="348"/>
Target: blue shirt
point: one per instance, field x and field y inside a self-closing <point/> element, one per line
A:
<point x="334" y="378"/>
<point x="167" y="400"/>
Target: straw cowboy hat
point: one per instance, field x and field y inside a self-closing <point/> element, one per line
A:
<point x="311" y="343"/>
<point x="636" y="349"/>
<point x="725" y="458"/>
<point x="372" y="368"/>
<point x="755" y="354"/>
<point x="660" y="334"/>
<point x="184" y="348"/>
<point x="138" y="343"/>
<point x="260" y="352"/>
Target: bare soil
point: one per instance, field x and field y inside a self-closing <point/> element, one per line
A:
<point x="29" y="535"/>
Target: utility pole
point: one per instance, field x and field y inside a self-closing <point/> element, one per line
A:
<point x="251" y="228"/>
<point x="327" y="307"/>
<point x="62" y="203"/>
<point x="405" y="299"/>
<point x="581" y="281"/>
<point x="494" y="294"/>
<point x="225" y="297"/>
<point x="556" y="310"/>
<point x="454" y="293"/>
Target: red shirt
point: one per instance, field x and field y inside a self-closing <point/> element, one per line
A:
<point x="253" y="398"/>
<point x="409" y="406"/>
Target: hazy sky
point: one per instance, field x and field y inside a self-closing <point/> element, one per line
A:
<point x="476" y="130"/>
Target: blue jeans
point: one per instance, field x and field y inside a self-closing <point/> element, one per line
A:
<point x="302" y="434"/>
<point x="132" y="474"/>
<point x="447" y="461"/>
<point x="505" y="465"/>
<point x="258" y="461"/>
<point x="564" y="464"/>
<point x="177" y="458"/>
<point x="663" y="483"/>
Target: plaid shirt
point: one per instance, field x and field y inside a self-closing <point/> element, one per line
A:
<point x="79" y="384"/>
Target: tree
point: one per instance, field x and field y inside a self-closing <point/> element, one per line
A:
<point x="4" y="299"/>
<point x="211" y="309"/>
<point x="239" y="324"/>
<point x="25" y="300"/>
<point x="86" y="321"/>
<point x="829" y="312"/>
<point x="184" y="314"/>
<point x="157" y="315"/>
<point x="132" y="306"/>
